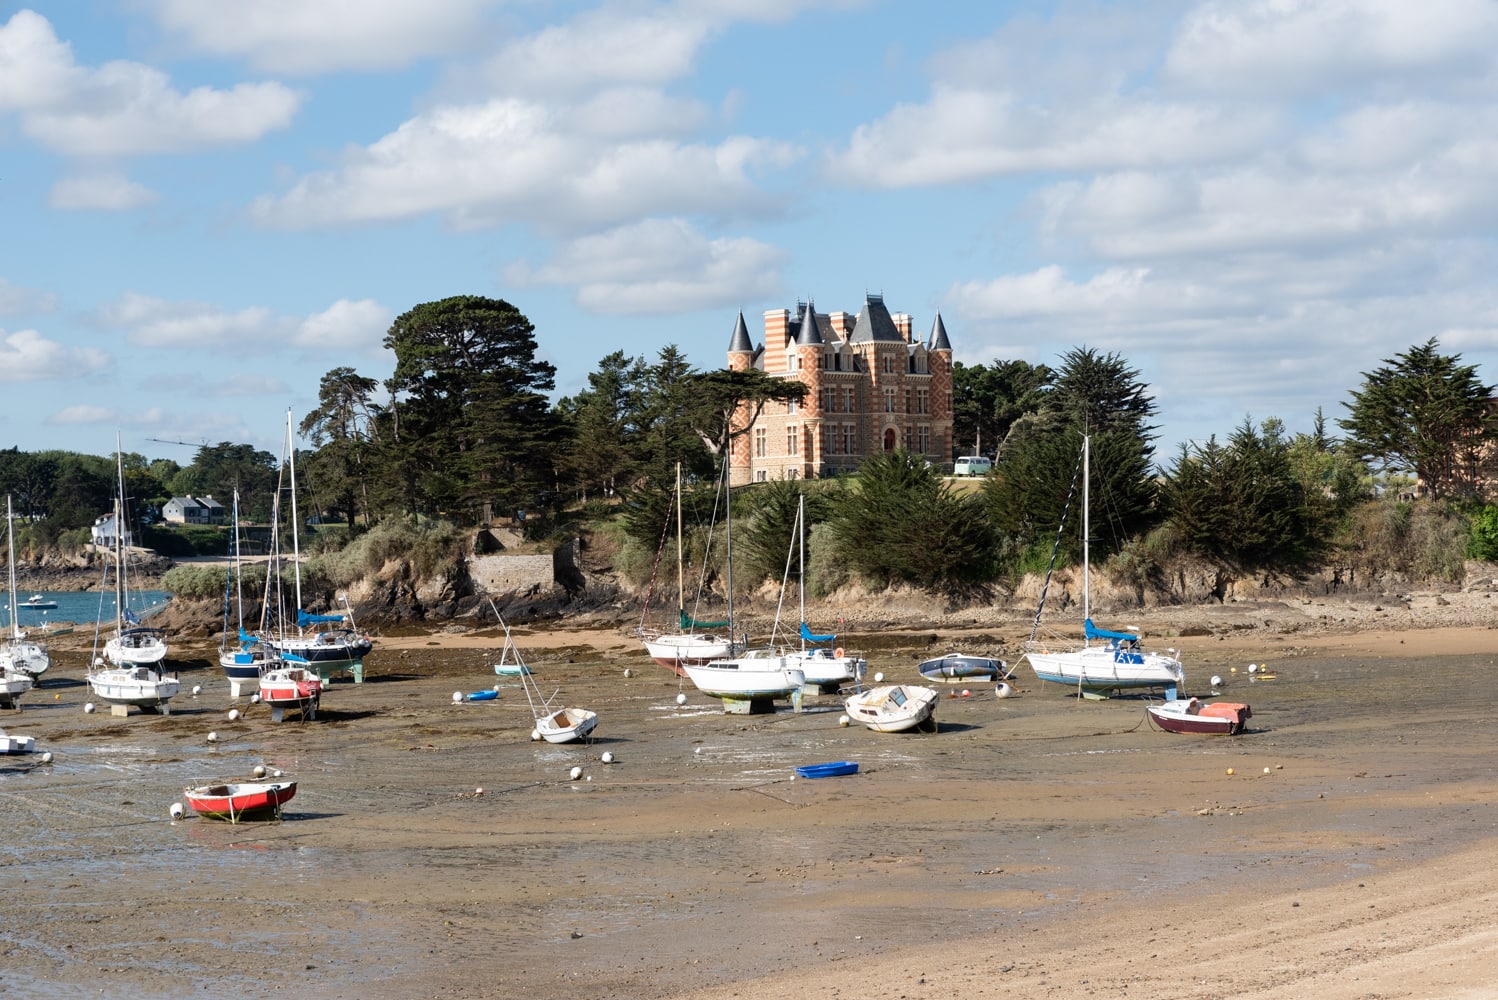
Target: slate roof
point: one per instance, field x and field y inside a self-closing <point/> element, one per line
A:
<point x="874" y="323"/>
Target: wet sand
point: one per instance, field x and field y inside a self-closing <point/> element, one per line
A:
<point x="1034" y="846"/>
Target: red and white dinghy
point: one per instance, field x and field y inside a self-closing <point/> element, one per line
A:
<point x="240" y="800"/>
<point x="1190" y="715"/>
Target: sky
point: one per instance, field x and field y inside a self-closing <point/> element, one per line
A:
<point x="208" y="204"/>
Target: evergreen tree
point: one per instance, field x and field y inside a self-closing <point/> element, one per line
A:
<point x="1425" y="412"/>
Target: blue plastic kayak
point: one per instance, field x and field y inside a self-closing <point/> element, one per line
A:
<point x="483" y="696"/>
<point x="832" y="770"/>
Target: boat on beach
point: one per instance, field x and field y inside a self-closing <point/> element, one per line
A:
<point x="687" y="645"/>
<point x="554" y="723"/>
<point x="238" y="801"/>
<point x="290" y="687"/>
<point x="894" y="708"/>
<point x="130" y="673"/>
<point x="1190" y="715"/>
<point x="1107" y="660"/>
<point x="16" y="744"/>
<point x="245" y="660"/>
<point x="960" y="668"/>
<point x="21" y="659"/>
<point x="751" y="681"/>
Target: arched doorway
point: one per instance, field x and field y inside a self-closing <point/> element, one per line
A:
<point x="889" y="439"/>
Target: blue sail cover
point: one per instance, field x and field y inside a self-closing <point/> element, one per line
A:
<point x="1093" y="632"/>
<point x="246" y="640"/>
<point x="806" y="634"/>
<point x="303" y="619"/>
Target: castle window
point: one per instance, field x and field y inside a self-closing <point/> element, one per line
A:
<point x="923" y="401"/>
<point x="889" y="401"/>
<point x="761" y="442"/>
<point x="850" y="439"/>
<point x="792" y="440"/>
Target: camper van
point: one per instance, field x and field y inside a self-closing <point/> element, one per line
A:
<point x="972" y="465"/>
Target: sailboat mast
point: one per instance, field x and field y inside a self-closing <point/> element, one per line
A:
<point x="296" y="552"/>
<point x="10" y="537"/>
<point x="1086" y="527"/>
<point x="728" y="542"/>
<point x="801" y="570"/>
<point x="681" y="594"/>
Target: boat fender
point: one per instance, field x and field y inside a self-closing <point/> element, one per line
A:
<point x="838" y="652"/>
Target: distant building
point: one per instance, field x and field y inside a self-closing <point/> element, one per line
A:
<point x="871" y="387"/>
<point x="103" y="532"/>
<point x="193" y="510"/>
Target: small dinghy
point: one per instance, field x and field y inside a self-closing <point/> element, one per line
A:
<point x="1190" y="715"/>
<point x="836" y="769"/>
<point x="291" y="689"/>
<point x="483" y="695"/>
<point x="240" y="800"/>
<point x="893" y="708"/>
<point x="961" y="668"/>
<point x="16" y="744"/>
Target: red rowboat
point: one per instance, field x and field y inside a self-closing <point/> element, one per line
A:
<point x="241" y="800"/>
<point x="1189" y="715"/>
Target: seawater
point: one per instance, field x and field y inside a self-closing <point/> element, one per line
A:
<point x="80" y="606"/>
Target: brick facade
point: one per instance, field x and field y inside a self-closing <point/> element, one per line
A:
<point x="871" y="387"/>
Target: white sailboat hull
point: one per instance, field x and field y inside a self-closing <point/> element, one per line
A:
<point x="674" y="651"/>
<point x="138" y="686"/>
<point x="1104" y="668"/>
<point x="756" y="675"/>
<point x="133" y="648"/>
<point x="824" y="668"/>
<point x="22" y="656"/>
<point x="567" y="725"/>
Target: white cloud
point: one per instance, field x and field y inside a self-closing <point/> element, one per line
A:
<point x="508" y="161"/>
<point x="123" y="108"/>
<point x="85" y="414"/>
<point x="600" y="47"/>
<point x="154" y="322"/>
<point x="657" y="267"/>
<point x="346" y="326"/>
<point x="27" y="356"/>
<point x="14" y="300"/>
<point x="319" y="36"/>
<point x="1313" y="46"/>
<point x="249" y="385"/>
<point x="108" y="191"/>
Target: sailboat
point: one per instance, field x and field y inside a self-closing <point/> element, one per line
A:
<point x="675" y="650"/>
<point x="329" y="644"/>
<point x="826" y="666"/>
<point x="554" y="723"/>
<point x="246" y="658"/>
<point x="1107" y="660"/>
<point x="21" y="659"/>
<point x="136" y="676"/>
<point x="750" y="681"/>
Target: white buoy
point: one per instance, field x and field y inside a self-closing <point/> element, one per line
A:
<point x="478" y="791"/>
<point x="628" y="672"/>
<point x="681" y="699"/>
<point x="607" y="757"/>
<point x="275" y="774"/>
<point x="176" y="810"/>
<point x="259" y="771"/>
<point x="213" y="737"/>
<point x="457" y="696"/>
<point x="1253" y="668"/>
<point x="47" y="757"/>
<point x="197" y="689"/>
<point x="255" y="698"/>
<point x="843" y="721"/>
<point x="88" y="707"/>
<point x="577" y="772"/>
<point x="879" y="677"/>
<point x="1003" y="690"/>
<point x="233" y="714"/>
<point x="1216" y="681"/>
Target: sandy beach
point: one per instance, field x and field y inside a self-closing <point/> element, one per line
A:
<point x="1034" y="846"/>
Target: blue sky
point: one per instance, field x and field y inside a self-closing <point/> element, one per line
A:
<point x="207" y="204"/>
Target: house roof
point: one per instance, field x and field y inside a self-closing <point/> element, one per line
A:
<point x="740" y="342"/>
<point x="809" y="330"/>
<point x="874" y="323"/>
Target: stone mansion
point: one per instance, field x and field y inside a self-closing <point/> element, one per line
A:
<point x="871" y="387"/>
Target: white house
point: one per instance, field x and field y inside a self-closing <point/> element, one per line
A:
<point x="104" y="532"/>
<point x="193" y="510"/>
